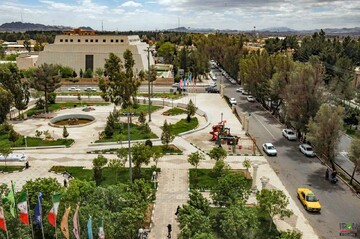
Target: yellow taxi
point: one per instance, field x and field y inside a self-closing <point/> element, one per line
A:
<point x="308" y="199"/>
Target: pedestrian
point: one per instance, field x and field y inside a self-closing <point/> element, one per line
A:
<point x="27" y="165"/>
<point x="169" y="230"/>
<point x="327" y="174"/>
<point x="177" y="210"/>
<point x="65" y="183"/>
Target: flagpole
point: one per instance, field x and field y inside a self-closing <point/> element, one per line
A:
<point x="55" y="219"/>
<point x="30" y="224"/>
<point x="7" y="231"/>
<point x="15" y="206"/>
<point x="78" y="222"/>
<point x="41" y="218"/>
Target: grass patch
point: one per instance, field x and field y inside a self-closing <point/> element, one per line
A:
<point x="175" y="111"/>
<point x="352" y="133"/>
<point x="205" y="179"/>
<point x="136" y="133"/>
<point x="34" y="141"/>
<point x="161" y="95"/>
<point x="58" y="106"/>
<point x="183" y="126"/>
<point x="142" y="108"/>
<point x="10" y="169"/>
<point x="109" y="177"/>
<point x="171" y="149"/>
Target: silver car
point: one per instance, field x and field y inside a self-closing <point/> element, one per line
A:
<point x="307" y="150"/>
<point x="269" y="149"/>
<point x="289" y="134"/>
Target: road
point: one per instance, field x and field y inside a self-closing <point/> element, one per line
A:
<point x="295" y="170"/>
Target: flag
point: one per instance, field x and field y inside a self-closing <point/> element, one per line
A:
<point x="101" y="231"/>
<point x="184" y="83"/>
<point x="10" y="197"/>
<point x="38" y="211"/>
<point x="2" y="219"/>
<point x="54" y="210"/>
<point x="76" y="223"/>
<point x="64" y="225"/>
<point x="23" y="207"/>
<point x="89" y="227"/>
<point x="181" y="83"/>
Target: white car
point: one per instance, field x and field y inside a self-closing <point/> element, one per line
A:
<point x="240" y="89"/>
<point x="269" y="149"/>
<point x="307" y="150"/>
<point x="14" y="157"/>
<point x="244" y="92"/>
<point x="90" y="89"/>
<point x="289" y="134"/>
<point x="250" y="98"/>
<point x="232" y="101"/>
<point x="176" y="84"/>
<point x="74" y="89"/>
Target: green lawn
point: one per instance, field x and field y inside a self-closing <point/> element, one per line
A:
<point x="9" y="169"/>
<point x="172" y="149"/>
<point x="109" y="177"/>
<point x="204" y="179"/>
<point x="162" y="95"/>
<point x="183" y="126"/>
<point x="34" y="141"/>
<point x="175" y="111"/>
<point x="142" y="108"/>
<point x="136" y="133"/>
<point x="57" y="106"/>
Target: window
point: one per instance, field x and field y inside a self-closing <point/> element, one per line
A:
<point x="71" y="40"/>
<point x="66" y="40"/>
<point x="86" y="40"/>
<point x="122" y="40"/>
<point x="117" y="40"/>
<point x="96" y="40"/>
<point x="89" y="62"/>
<point x="111" y="40"/>
<point x="61" y="40"/>
<point x="104" y="40"/>
<point x="79" y="40"/>
<point x="91" y="40"/>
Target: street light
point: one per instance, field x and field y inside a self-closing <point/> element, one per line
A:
<point x="129" y="115"/>
<point x="25" y="141"/>
<point x="148" y="57"/>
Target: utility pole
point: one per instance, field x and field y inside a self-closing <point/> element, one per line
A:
<point x="149" y="103"/>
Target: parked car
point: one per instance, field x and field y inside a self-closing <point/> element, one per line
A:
<point x="241" y="89"/>
<point x="289" y="134"/>
<point x="244" y="92"/>
<point x="308" y="199"/>
<point x="73" y="88"/>
<point x="176" y="84"/>
<point x="212" y="90"/>
<point x="307" y="150"/>
<point x="232" y="101"/>
<point x="90" y="89"/>
<point x="269" y="149"/>
<point x="251" y="98"/>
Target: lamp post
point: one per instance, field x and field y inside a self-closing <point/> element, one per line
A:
<point x="148" y="57"/>
<point x="25" y="141"/>
<point x="129" y="114"/>
<point x="222" y="116"/>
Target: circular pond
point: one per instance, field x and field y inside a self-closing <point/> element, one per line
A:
<point x="72" y="120"/>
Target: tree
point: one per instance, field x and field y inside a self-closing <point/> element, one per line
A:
<point x="88" y="73"/>
<point x="290" y="235"/>
<point x="98" y="164"/>
<point x="65" y="132"/>
<point x="218" y="153"/>
<point x="5" y="150"/>
<point x="220" y="168"/>
<point x="47" y="80"/>
<point x="167" y="50"/>
<point x="141" y="154"/>
<point x="5" y="99"/>
<point x="166" y="135"/>
<point x="142" y="118"/>
<point x="354" y="155"/>
<point x="231" y="187"/>
<point x="156" y="155"/>
<point x="195" y="158"/>
<point x="239" y="221"/>
<point x="198" y="201"/>
<point x="191" y="110"/>
<point x="116" y="164"/>
<point x="325" y="131"/>
<point x="13" y="136"/>
<point x="192" y="221"/>
<point x="273" y="203"/>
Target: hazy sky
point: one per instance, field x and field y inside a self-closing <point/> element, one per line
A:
<point x="165" y="14"/>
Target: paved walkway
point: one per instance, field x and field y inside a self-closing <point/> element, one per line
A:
<point x="173" y="180"/>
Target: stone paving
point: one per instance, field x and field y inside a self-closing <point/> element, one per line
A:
<point x="173" y="180"/>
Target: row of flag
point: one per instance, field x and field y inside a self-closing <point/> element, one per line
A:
<point x="22" y="206"/>
<point x="186" y="82"/>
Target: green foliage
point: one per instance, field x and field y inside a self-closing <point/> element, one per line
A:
<point x="191" y="108"/>
<point x="220" y="168"/>
<point x="195" y="158"/>
<point x="13" y="136"/>
<point x="141" y="154"/>
<point x="183" y="125"/>
<point x="142" y="118"/>
<point x="273" y="203"/>
<point x="174" y="111"/>
<point x="52" y="98"/>
<point x="198" y="201"/>
<point x="66" y="72"/>
<point x="166" y="136"/>
<point x="231" y="188"/>
<point x="192" y="221"/>
<point x="246" y="164"/>
<point x="218" y="153"/>
<point x="88" y="73"/>
<point x="290" y="235"/>
<point x="98" y="164"/>
<point x="5" y="99"/>
<point x="167" y="50"/>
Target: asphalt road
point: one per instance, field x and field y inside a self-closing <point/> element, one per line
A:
<point x="295" y="170"/>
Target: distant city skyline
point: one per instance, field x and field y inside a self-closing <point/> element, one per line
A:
<point x="167" y="14"/>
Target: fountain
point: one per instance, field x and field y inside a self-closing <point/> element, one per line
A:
<point x="72" y="120"/>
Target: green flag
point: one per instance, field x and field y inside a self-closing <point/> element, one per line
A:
<point x="10" y="197"/>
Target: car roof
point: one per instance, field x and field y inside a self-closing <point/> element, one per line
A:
<point x="269" y="144"/>
<point x="306" y="145"/>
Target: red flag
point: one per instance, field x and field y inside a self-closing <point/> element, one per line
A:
<point x="2" y="220"/>
<point x="23" y="207"/>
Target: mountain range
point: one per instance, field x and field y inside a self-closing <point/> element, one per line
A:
<point x="22" y="27"/>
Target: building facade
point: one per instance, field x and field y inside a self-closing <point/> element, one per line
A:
<point x="82" y="50"/>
